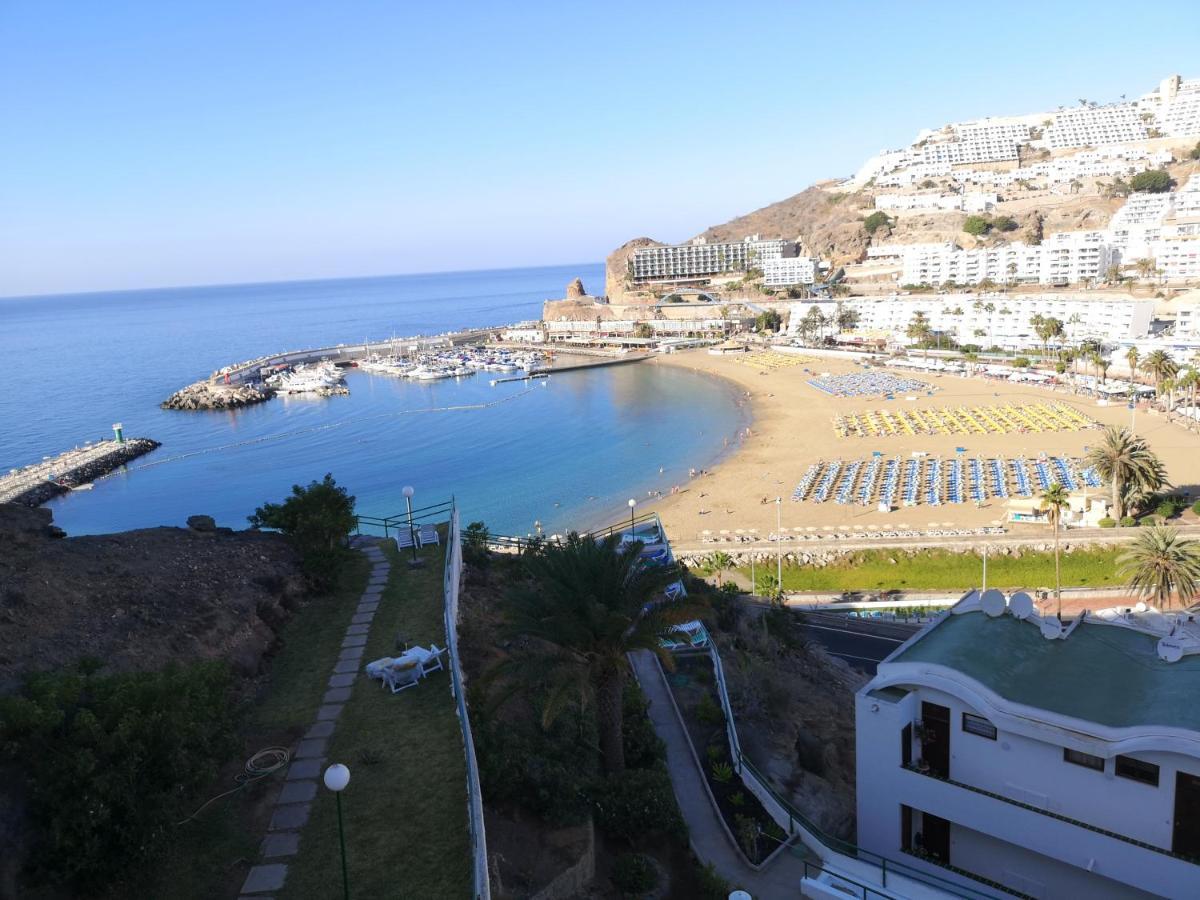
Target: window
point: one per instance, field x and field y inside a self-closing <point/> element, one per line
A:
<point x="1079" y="758"/>
<point x="973" y="724"/>
<point x="1128" y="767"/>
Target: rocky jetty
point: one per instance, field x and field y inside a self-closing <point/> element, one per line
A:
<point x="207" y="395"/>
<point x="55" y="481"/>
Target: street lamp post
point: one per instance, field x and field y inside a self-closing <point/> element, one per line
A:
<point x="632" y="531"/>
<point x="337" y="777"/>
<point x="412" y="534"/>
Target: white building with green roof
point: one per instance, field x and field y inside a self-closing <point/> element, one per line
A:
<point x="998" y="746"/>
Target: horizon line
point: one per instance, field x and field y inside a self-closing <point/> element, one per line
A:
<point x="236" y="284"/>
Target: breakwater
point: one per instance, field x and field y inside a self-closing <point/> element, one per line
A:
<point x="35" y="484"/>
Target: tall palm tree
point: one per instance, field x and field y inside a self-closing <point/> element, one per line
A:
<point x="1054" y="500"/>
<point x="1161" y="564"/>
<point x="720" y="562"/>
<point x="1159" y="365"/>
<point x="590" y="603"/>
<point x="1128" y="464"/>
<point x="1131" y="357"/>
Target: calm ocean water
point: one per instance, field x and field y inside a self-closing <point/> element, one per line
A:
<point x="568" y="453"/>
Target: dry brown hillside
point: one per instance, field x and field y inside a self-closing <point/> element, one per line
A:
<point x="829" y="223"/>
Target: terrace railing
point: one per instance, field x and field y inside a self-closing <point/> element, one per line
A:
<point x="387" y="526"/>
<point x="831" y="849"/>
<point x="452" y="580"/>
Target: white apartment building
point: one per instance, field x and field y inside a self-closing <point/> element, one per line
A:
<point x="1178" y="259"/>
<point x="1001" y="320"/>
<point x="1059" y="762"/>
<point x="970" y="201"/>
<point x="1063" y="258"/>
<point x="1091" y="126"/>
<point x="785" y="271"/>
<point x="1175" y="105"/>
<point x="699" y="258"/>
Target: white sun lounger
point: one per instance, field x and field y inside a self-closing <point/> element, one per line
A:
<point x="428" y="534"/>
<point x="432" y="662"/>
<point x="402" y="675"/>
<point x="405" y="539"/>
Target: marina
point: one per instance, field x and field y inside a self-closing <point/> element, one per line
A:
<point x="73" y="470"/>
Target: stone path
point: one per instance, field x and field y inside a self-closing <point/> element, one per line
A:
<point x="706" y="832"/>
<point x="303" y="779"/>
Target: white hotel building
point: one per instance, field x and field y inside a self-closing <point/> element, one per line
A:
<point x="1092" y="126"/>
<point x="1063" y="258"/>
<point x="785" y="271"/>
<point x="1003" y="319"/>
<point x="700" y="259"/>
<point x="998" y="746"/>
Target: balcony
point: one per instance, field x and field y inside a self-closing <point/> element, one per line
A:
<point x="1114" y="856"/>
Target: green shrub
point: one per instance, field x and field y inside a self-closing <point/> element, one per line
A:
<point x="1022" y="362"/>
<point x="738" y="798"/>
<point x="637" y="805"/>
<point x="1128" y="521"/>
<point x="475" y="544"/>
<point x="977" y="225"/>
<point x="708" y="712"/>
<point x="318" y="519"/>
<point x="710" y="885"/>
<point x="643" y="746"/>
<point x="545" y="771"/>
<point x="634" y="874"/>
<point x="722" y="772"/>
<point x="1166" y="509"/>
<point x="1107" y="522"/>
<point x="1196" y="507"/>
<point x="111" y="762"/>
<point x="1154" y="181"/>
<point x="1004" y="223"/>
<point x="875" y="221"/>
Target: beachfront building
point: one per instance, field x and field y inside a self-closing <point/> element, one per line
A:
<point x="1177" y="259"/>
<point x="700" y="259"/>
<point x="992" y="320"/>
<point x="1058" y="762"/>
<point x="1064" y="258"/>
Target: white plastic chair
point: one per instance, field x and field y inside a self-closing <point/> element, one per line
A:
<point x="400" y="677"/>
<point x="405" y="539"/>
<point x="433" y="662"/>
<point x="428" y="534"/>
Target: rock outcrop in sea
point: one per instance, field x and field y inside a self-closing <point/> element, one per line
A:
<point x="206" y="395"/>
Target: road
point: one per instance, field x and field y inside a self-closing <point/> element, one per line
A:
<point x="860" y="643"/>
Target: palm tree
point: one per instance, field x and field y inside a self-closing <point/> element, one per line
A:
<point x="1160" y="564"/>
<point x="919" y="330"/>
<point x="1132" y="358"/>
<point x="1054" y="500"/>
<point x="1128" y="464"/>
<point x="590" y="603"/>
<point x="720" y="562"/>
<point x="1159" y="365"/>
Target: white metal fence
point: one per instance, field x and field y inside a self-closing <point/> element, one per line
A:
<point x="452" y="582"/>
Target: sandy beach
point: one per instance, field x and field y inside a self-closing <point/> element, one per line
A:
<point x="793" y="426"/>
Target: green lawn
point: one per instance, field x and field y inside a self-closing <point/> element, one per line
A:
<point x="405" y="808"/>
<point x="871" y="570"/>
<point x="210" y="855"/>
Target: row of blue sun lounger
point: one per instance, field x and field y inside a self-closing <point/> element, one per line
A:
<point x="934" y="481"/>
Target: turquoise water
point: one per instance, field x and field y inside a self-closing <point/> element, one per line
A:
<point x="567" y="452"/>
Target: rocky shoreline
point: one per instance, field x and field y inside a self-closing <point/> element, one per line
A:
<point x="207" y="395"/>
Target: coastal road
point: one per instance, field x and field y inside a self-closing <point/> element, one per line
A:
<point x="860" y="643"/>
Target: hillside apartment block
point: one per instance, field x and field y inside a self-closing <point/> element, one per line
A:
<point x="1171" y="110"/>
<point x="999" y="745"/>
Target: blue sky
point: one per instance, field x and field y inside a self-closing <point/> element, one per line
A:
<point x="147" y="144"/>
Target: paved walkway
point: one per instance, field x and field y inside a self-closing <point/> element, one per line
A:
<point x="706" y="833"/>
<point x="300" y="786"/>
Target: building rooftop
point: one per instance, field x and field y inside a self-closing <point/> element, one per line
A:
<point x="1100" y="673"/>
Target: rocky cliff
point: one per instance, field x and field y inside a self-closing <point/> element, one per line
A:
<point x="139" y="599"/>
